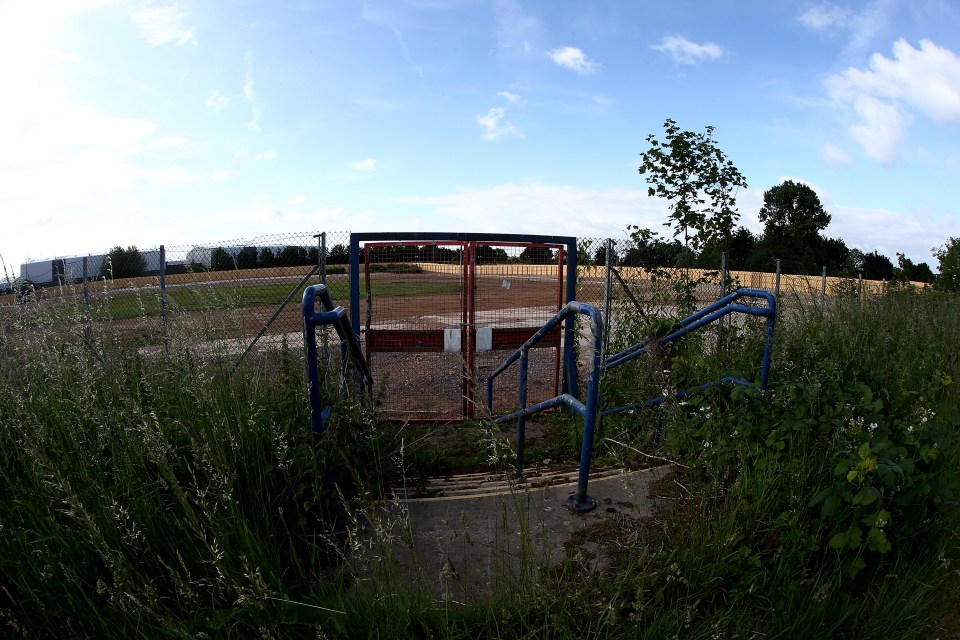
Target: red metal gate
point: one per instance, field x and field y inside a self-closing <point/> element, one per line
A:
<point x="440" y="316"/>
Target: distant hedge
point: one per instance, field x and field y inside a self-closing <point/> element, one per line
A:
<point x="392" y="267"/>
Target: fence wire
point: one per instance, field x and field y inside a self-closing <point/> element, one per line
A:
<point x="239" y="297"/>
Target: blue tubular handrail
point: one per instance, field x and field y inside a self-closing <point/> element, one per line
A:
<point x="579" y="501"/>
<point x="722" y="307"/>
<point x="337" y="316"/>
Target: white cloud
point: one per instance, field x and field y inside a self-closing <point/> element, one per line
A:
<point x="368" y="164"/>
<point x="912" y="232"/>
<point x="825" y="17"/>
<point x="217" y="101"/>
<point x="834" y="155"/>
<point x="166" y="142"/>
<point x="926" y="80"/>
<point x="511" y="98"/>
<point x="295" y="200"/>
<point x="250" y="94"/>
<point x="495" y="127"/>
<point x="684" y="51"/>
<point x="162" y="25"/>
<point x="880" y="129"/>
<point x="56" y="127"/>
<point x="574" y="59"/>
<point x="536" y="207"/>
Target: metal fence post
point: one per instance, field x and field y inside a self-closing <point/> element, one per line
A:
<point x="88" y="329"/>
<point x="776" y="286"/>
<point x="322" y="257"/>
<point x="860" y="285"/>
<point x="823" y="288"/>
<point x="723" y="274"/>
<point x="163" y="298"/>
<point x="322" y="277"/>
<point x="723" y="292"/>
<point x="607" y="297"/>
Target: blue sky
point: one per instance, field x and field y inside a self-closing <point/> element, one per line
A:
<point x="183" y="122"/>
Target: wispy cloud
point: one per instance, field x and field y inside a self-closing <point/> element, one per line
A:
<point x="495" y="127"/>
<point x="295" y="200"/>
<point x="250" y="94"/>
<point x="218" y="101"/>
<point x="517" y="31"/>
<point x="385" y="19"/>
<point x="368" y="164"/>
<point x="684" y="51"/>
<point x="861" y="27"/>
<point x="512" y="98"/>
<point x="885" y="95"/>
<point x="574" y="59"/>
<point x="163" y="25"/>
<point x="825" y="17"/>
<point x="834" y="155"/>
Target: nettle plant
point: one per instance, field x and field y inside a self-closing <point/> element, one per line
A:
<point x="885" y="483"/>
<point x="869" y="468"/>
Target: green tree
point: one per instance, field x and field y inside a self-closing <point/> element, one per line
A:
<point x="486" y="254"/>
<point x="247" y="258"/>
<point x="266" y="257"/>
<point x="651" y="251"/>
<point x="600" y="256"/>
<point x="537" y="255"/>
<point x="292" y="255"/>
<point x="907" y="271"/>
<point x="694" y="175"/>
<point x="877" y="266"/>
<point x="339" y="254"/>
<point x="949" y="257"/>
<point x="739" y="249"/>
<point x="124" y="263"/>
<point x="834" y="254"/>
<point x="793" y="218"/>
<point x="221" y="260"/>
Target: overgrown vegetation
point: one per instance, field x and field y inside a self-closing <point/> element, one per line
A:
<point x="164" y="498"/>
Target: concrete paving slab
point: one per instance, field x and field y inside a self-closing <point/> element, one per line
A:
<point x="461" y="545"/>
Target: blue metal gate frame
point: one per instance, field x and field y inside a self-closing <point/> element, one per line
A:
<point x="569" y="385"/>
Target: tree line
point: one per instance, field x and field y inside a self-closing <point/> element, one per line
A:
<point x="700" y="183"/>
<point x="794" y="219"/>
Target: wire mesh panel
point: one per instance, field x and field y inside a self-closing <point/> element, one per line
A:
<point x="414" y="312"/>
<point x="517" y="289"/>
<point x="439" y="316"/>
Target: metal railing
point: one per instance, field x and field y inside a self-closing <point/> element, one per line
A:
<point x="719" y="309"/>
<point x="579" y="501"/>
<point x="349" y="342"/>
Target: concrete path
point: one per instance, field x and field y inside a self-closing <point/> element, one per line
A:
<point x="482" y="531"/>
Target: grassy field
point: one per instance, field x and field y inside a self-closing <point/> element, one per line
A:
<point x="198" y="299"/>
<point x="164" y="498"/>
<point x="254" y="295"/>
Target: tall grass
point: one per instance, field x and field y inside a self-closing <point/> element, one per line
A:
<point x="163" y="497"/>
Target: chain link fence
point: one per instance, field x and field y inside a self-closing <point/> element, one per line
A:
<point x="234" y="298"/>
